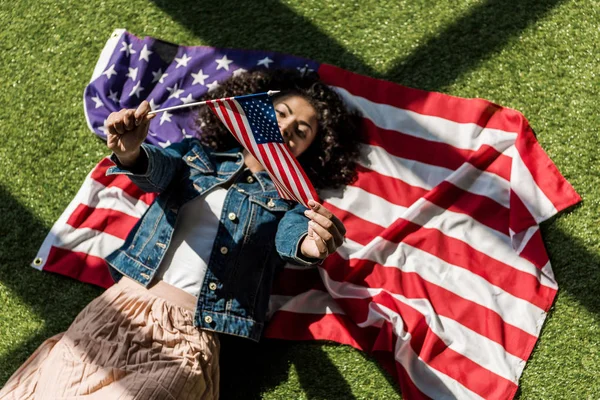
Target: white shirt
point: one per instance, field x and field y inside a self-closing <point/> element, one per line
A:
<point x="186" y="260"/>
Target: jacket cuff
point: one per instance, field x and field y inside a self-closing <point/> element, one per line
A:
<point x="298" y="258"/>
<point x="142" y="167"/>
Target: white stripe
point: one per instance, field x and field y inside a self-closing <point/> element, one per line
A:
<point x="88" y="241"/>
<point x="467" y="136"/>
<point x="460" y="281"/>
<point x="456" y="225"/>
<point x="430" y="381"/>
<point x="286" y="169"/>
<point x="477" y="348"/>
<point x="428" y="176"/>
<point x="296" y="165"/>
<point x="114" y="198"/>
<point x="523" y="184"/>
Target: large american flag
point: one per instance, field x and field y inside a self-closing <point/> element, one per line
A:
<point x="443" y="275"/>
<point x="251" y="120"/>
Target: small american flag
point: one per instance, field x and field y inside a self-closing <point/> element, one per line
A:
<point x="251" y="119"/>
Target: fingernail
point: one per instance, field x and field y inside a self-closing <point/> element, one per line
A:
<point x="312" y="203"/>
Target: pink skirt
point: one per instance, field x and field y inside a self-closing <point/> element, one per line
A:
<point x="128" y="343"/>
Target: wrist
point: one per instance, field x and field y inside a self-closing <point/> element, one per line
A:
<point x="129" y="159"/>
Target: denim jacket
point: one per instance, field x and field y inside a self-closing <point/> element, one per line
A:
<point x="258" y="232"/>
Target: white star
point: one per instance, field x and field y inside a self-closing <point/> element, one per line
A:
<point x="165" y="144"/>
<point x="132" y="73"/>
<point x="98" y="102"/>
<point x="175" y="91"/>
<point x="159" y="76"/>
<point x="166" y="116"/>
<point x="185" y="135"/>
<point x="223" y="63"/>
<point x="265" y="61"/>
<point x="152" y="105"/>
<point x="239" y="71"/>
<point x="145" y="54"/>
<point x="128" y="49"/>
<point x="304" y="69"/>
<point x="199" y="77"/>
<point x="110" y="72"/>
<point x="182" y="62"/>
<point x="136" y="90"/>
<point x="187" y="99"/>
<point x="113" y="96"/>
<point x="212" y="86"/>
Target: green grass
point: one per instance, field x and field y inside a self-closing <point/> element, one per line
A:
<point x="540" y="57"/>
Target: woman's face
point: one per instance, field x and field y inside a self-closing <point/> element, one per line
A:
<point x="297" y="121"/>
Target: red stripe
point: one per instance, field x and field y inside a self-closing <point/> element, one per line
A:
<point x="104" y="220"/>
<point x="476" y="317"/>
<point x="80" y="266"/>
<point x="436" y="153"/>
<point x="121" y="181"/>
<point x="535" y="252"/>
<point x="431" y="349"/>
<point x="293" y="161"/>
<point x="453" y="251"/>
<point x="461" y="110"/>
<point x="286" y="165"/>
<point x="292" y="281"/>
<point x="337" y="327"/>
<point x="482" y="209"/>
<point x="558" y="190"/>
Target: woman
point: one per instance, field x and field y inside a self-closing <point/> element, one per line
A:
<point x="201" y="260"/>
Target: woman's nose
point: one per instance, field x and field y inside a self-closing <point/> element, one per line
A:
<point x="284" y="127"/>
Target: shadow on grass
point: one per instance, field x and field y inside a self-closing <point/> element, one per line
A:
<point x="52" y="298"/>
<point x="476" y="36"/>
<point x="266" y="25"/>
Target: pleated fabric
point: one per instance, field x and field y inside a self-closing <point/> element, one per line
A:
<point x="128" y="343"/>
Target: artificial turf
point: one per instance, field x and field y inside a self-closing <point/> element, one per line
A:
<point x="540" y="57"/>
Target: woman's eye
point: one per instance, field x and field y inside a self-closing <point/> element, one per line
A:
<point x="301" y="134"/>
<point x="279" y="113"/>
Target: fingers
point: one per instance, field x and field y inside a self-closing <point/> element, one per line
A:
<point x="324" y="237"/>
<point x="320" y="209"/>
<point x="328" y="225"/>
<point x="141" y="112"/>
<point x="319" y="242"/>
<point x="127" y="120"/>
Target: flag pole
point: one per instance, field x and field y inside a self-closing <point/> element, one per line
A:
<point x="200" y="103"/>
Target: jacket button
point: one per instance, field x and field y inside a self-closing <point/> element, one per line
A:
<point x="271" y="203"/>
<point x="212" y="286"/>
<point x="249" y="179"/>
<point x="208" y="319"/>
<point x="224" y="250"/>
<point x="232" y="216"/>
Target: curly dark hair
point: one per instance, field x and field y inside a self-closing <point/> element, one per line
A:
<point x="330" y="160"/>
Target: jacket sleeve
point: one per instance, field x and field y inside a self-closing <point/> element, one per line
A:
<point x="292" y="229"/>
<point x="159" y="166"/>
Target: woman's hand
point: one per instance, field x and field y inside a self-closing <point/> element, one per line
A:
<point x="126" y="131"/>
<point x="325" y="232"/>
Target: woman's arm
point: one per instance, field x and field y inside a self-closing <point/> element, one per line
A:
<point x="306" y="237"/>
<point x="151" y="168"/>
